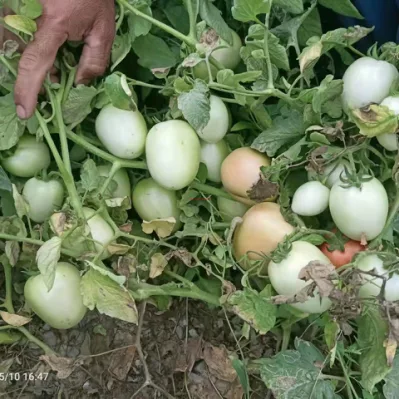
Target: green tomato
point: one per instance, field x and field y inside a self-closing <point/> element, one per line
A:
<point x="62" y="307"/>
<point x="212" y="156"/>
<point x="229" y="56"/>
<point x="152" y="201"/>
<point x="30" y="157"/>
<point x="219" y="122"/>
<point x="173" y="154"/>
<point x="230" y="209"/>
<point x="123" y="133"/>
<point x="101" y="232"/>
<point x="200" y="71"/>
<point x="43" y="198"/>
<point x="121" y="178"/>
<point x="284" y="275"/>
<point x="77" y="153"/>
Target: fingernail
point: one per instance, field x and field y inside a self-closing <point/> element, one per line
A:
<point x="21" y="112"/>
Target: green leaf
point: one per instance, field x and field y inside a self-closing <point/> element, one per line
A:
<point x="212" y="16"/>
<point x="13" y="225"/>
<point x="5" y="183"/>
<point x="375" y="120"/>
<point x="241" y="371"/>
<point x="195" y="106"/>
<point x="120" y="280"/>
<point x="372" y="332"/>
<point x="328" y="90"/>
<point x="31" y="8"/>
<point x="247" y="11"/>
<point x="139" y="26"/>
<point x="120" y="49"/>
<point x="255" y="309"/>
<point x="292" y="6"/>
<point x="21" y="24"/>
<point x="344" y="7"/>
<point x="153" y="52"/>
<point x="391" y="386"/>
<point x="78" y="104"/>
<point x="177" y="15"/>
<point x="337" y="38"/>
<point x="101" y="292"/>
<point x="119" y="92"/>
<point x="47" y="258"/>
<point x="309" y="27"/>
<point x="285" y="130"/>
<point x="11" y="127"/>
<point x="294" y="374"/>
<point x="89" y="176"/>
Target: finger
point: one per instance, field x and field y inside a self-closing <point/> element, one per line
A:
<point x="36" y="61"/>
<point x="96" y="52"/>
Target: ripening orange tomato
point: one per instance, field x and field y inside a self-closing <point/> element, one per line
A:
<point x="341" y="258"/>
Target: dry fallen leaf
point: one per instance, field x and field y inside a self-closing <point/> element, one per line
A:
<point x="121" y="362"/>
<point x="186" y="358"/>
<point x="158" y="264"/>
<point x="62" y="365"/>
<point x="185" y="256"/>
<point x="14" y="319"/>
<point x="162" y="227"/>
<point x="219" y="363"/>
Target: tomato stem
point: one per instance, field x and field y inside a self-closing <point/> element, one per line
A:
<point x="205" y="188"/>
<point x="270" y="83"/>
<point x="178" y="35"/>
<point x="124" y="163"/>
<point x="115" y="167"/>
<point x="192" y="14"/>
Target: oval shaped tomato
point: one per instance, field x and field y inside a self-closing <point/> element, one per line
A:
<point x="152" y="201"/>
<point x="230" y="209"/>
<point x="360" y="212"/>
<point x="229" y="55"/>
<point x="62" y="307"/>
<point x="262" y="229"/>
<point x="212" y="156"/>
<point x="43" y="198"/>
<point x="173" y="153"/>
<point x="241" y="170"/>
<point x="123" y="133"/>
<point x="30" y="157"/>
<point x="390" y="140"/>
<point x="101" y="232"/>
<point x="341" y="258"/>
<point x="371" y="286"/>
<point x="284" y="276"/>
<point x="121" y="178"/>
<point x="368" y="81"/>
<point x="310" y="199"/>
<point x="219" y="121"/>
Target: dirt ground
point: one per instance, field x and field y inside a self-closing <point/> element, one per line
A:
<point x="186" y="351"/>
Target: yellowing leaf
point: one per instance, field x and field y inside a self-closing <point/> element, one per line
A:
<point x="14" y="319"/>
<point x="162" y="227"/>
<point x="47" y="258"/>
<point x="21" y="24"/>
<point x="158" y="264"/>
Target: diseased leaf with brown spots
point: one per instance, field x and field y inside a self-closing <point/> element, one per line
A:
<point x="322" y="274"/>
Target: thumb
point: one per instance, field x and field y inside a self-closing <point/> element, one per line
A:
<point x="96" y="52"/>
<point x="36" y="61"/>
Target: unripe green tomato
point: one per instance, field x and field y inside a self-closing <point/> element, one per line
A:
<point x="121" y="178"/>
<point x="230" y="209"/>
<point x="100" y="230"/>
<point x="173" y="154"/>
<point x="123" y="133"/>
<point x="212" y="156"/>
<point x="219" y="121"/>
<point x="43" y="198"/>
<point x="152" y="201"/>
<point x="77" y="153"/>
<point x="200" y="71"/>
<point x="62" y="307"/>
<point x="30" y="157"/>
<point x="229" y="56"/>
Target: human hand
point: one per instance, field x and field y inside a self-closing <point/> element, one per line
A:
<point x="62" y="20"/>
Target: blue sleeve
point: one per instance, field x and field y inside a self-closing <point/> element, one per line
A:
<point x="382" y="14"/>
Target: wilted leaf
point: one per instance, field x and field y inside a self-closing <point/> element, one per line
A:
<point x="158" y="264"/>
<point x="162" y="227"/>
<point x="62" y="365"/>
<point x="101" y="292"/>
<point x="14" y="319"/>
<point x="12" y="251"/>
<point x="47" y="258"/>
<point x="21" y="205"/>
<point x="255" y="309"/>
<point x="322" y="274"/>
